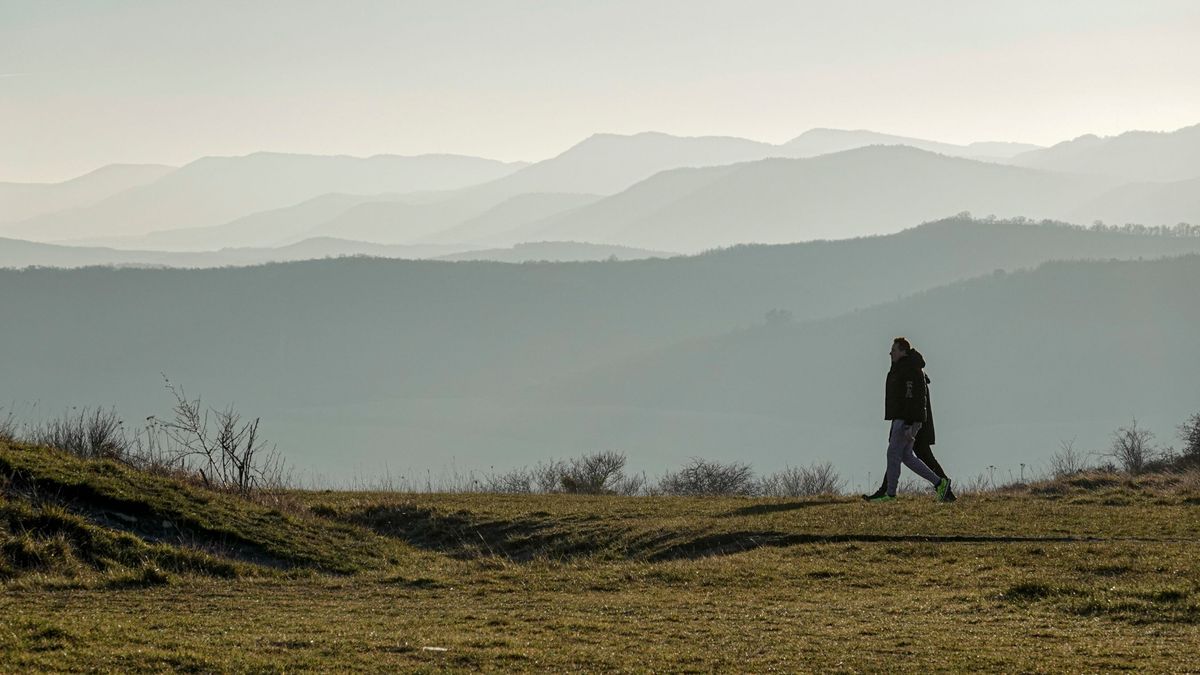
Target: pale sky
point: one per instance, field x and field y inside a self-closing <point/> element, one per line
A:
<point x="84" y="84"/>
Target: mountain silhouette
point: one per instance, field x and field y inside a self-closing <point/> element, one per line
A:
<point x="825" y="141"/>
<point x="15" y="253"/>
<point x="391" y="356"/>
<point x="19" y="201"/>
<point x="214" y="190"/>
<point x="872" y="190"/>
<point x="1019" y="362"/>
<point x="1133" y="155"/>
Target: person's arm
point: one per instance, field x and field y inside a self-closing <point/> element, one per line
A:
<point x="914" y="402"/>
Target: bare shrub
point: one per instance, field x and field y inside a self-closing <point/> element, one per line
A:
<point x="1189" y="433"/>
<point x="1189" y="481"/>
<point x="802" y="481"/>
<point x="224" y="450"/>
<point x="709" y="478"/>
<point x="1067" y="461"/>
<point x="1133" y="448"/>
<point x="593" y="474"/>
<point x="547" y="477"/>
<point x="516" y="481"/>
<point x="92" y="434"/>
<point x="8" y="428"/>
<point x="635" y="484"/>
<point x="973" y="485"/>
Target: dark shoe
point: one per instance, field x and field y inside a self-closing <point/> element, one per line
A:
<point x="878" y="493"/>
<point x="882" y="498"/>
<point x="942" y="488"/>
<point x="950" y="496"/>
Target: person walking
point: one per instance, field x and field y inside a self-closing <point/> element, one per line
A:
<point x="905" y="408"/>
<point x="924" y="440"/>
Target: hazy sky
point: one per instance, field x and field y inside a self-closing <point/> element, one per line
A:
<point x="83" y="84"/>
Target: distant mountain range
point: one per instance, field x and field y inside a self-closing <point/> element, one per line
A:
<point x="363" y="359"/>
<point x="1146" y="203"/>
<point x="1134" y="155"/>
<point x="648" y="191"/>
<point x="1019" y="363"/>
<point x="214" y="190"/>
<point x="19" y="201"/>
<point x="557" y="251"/>
<point x="871" y="190"/>
<point x="825" y="141"/>
<point x="15" y="253"/>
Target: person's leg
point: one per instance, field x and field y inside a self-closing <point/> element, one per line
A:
<point x="895" y="455"/>
<point x="924" y="452"/>
<point x="883" y="484"/>
<point x="916" y="465"/>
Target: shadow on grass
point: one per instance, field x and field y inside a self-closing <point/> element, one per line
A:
<point x="727" y="543"/>
<point x="460" y="536"/>
<point x="525" y="539"/>
<point x="763" y="509"/>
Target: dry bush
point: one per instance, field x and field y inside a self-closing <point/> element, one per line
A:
<point x="593" y="474"/>
<point x="1188" y="481"/>
<point x="1133" y="448"/>
<point x="1068" y="461"/>
<point x="700" y="477"/>
<point x="547" y="477"/>
<point x="516" y="481"/>
<point x="97" y="434"/>
<point x="802" y="481"/>
<point x="1189" y="433"/>
<point x="596" y="473"/>
<point x="227" y="452"/>
<point x="8" y="427"/>
<point x="973" y="485"/>
<point x="635" y="484"/>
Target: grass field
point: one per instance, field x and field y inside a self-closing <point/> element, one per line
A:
<point x="1094" y="573"/>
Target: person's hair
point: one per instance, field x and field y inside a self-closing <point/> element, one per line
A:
<point x="903" y="343"/>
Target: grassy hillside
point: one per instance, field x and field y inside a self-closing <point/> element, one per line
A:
<point x="75" y="517"/>
<point x="1091" y="572"/>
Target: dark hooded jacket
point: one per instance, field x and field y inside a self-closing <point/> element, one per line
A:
<point x="906" y="393"/>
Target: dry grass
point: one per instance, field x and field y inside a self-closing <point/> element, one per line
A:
<point x="1095" y="572"/>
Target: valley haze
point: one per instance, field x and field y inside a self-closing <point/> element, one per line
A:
<point x="423" y="236"/>
<point x="527" y="336"/>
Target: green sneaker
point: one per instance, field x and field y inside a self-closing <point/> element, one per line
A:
<point x="943" y="488"/>
<point x="883" y="498"/>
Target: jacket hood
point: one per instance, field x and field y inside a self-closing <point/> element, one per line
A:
<point x="913" y="359"/>
<point x="917" y="359"/>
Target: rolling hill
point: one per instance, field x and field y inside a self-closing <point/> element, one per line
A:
<point x="19" y="201"/>
<point x="215" y="190"/>
<point x="556" y="251"/>
<point x="866" y="191"/>
<point x="418" y="360"/>
<point x="609" y="163"/>
<point x="1145" y="203"/>
<point x="825" y="141"/>
<point x="1019" y="362"/>
<point x="1134" y="155"/>
<point x="272" y="227"/>
<point x="15" y="253"/>
<point x="511" y="214"/>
